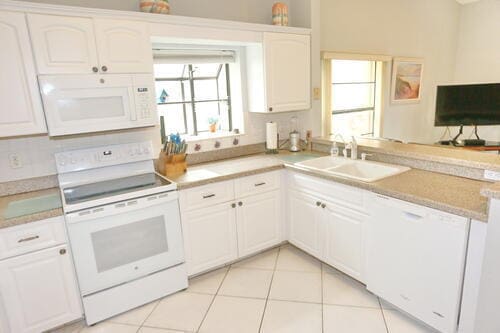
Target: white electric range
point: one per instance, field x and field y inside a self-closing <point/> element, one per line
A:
<point x="124" y="227"/>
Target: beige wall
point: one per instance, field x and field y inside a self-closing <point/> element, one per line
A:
<point x="424" y="28"/>
<point x="478" y="51"/>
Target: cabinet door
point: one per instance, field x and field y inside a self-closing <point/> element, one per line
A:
<point x="259" y="222"/>
<point x="63" y="45"/>
<point x="210" y="237"/>
<point x="21" y="111"/>
<point x="124" y="46"/>
<point x="39" y="290"/>
<point x="305" y="222"/>
<point x="344" y="240"/>
<point x="288" y="71"/>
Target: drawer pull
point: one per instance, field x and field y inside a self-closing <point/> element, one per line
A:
<point x="208" y="196"/>
<point x="438" y="314"/>
<point x="28" y="239"/>
<point x="413" y="216"/>
<point x="260" y="184"/>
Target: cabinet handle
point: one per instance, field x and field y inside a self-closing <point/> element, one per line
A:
<point x="28" y="239"/>
<point x="323" y="205"/>
<point x="260" y="184"/>
<point x="208" y="196"/>
<point x="318" y="203"/>
<point x="62" y="252"/>
<point x="413" y="216"/>
<point x="240" y="203"/>
<point x="95" y="69"/>
<point x="270" y="109"/>
<point x="233" y="205"/>
<point x="104" y="68"/>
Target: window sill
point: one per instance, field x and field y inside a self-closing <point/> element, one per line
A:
<point x="210" y="136"/>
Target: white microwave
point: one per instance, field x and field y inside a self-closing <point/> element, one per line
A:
<point x="92" y="103"/>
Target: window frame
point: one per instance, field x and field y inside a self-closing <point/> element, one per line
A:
<point x="381" y="75"/>
<point x="190" y="78"/>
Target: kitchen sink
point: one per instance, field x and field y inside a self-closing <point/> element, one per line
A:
<point x="366" y="171"/>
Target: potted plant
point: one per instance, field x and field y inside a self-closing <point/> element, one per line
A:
<point x="212" y="124"/>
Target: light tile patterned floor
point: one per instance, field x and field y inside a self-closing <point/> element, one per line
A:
<point x="280" y="290"/>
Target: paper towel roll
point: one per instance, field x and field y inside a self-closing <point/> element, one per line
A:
<point x="271" y="135"/>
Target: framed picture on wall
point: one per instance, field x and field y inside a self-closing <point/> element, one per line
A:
<point x="406" y="86"/>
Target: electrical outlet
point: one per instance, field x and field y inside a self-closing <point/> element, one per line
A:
<point x="317" y="93"/>
<point x="15" y="161"/>
<point x="492" y="175"/>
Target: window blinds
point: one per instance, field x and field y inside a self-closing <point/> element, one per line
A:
<point x="193" y="56"/>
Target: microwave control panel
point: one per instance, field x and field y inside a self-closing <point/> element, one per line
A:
<point x="143" y="102"/>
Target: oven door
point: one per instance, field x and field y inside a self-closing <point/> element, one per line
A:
<point x="118" y="243"/>
<point x="91" y="103"/>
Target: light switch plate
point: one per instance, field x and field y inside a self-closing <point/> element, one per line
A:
<point x="317" y="93"/>
<point x="492" y="175"/>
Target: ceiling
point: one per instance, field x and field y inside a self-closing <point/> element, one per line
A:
<point x="463" y="2"/>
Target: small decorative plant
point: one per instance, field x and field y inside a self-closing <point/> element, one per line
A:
<point x="212" y="124"/>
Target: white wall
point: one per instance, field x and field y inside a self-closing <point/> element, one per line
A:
<point x="478" y="51"/>
<point x="424" y="28"/>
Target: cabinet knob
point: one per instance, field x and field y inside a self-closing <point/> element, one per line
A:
<point x="233" y="205"/>
<point x="323" y="205"/>
<point x="95" y="69"/>
<point x="240" y="203"/>
<point x="270" y="109"/>
<point x="62" y="252"/>
<point x="318" y="203"/>
<point x="104" y="68"/>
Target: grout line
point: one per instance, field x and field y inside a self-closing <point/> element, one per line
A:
<point x="269" y="290"/>
<point x="149" y="315"/>
<point x="322" y="303"/>
<point x="213" y="299"/>
<point x="383" y="315"/>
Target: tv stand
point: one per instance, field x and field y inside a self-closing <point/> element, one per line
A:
<point x="468" y="142"/>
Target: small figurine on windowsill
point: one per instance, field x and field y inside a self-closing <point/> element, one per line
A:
<point x="212" y="124"/>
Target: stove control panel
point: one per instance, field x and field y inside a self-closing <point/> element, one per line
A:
<point x="98" y="157"/>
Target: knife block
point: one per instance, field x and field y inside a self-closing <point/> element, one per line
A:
<point x="172" y="165"/>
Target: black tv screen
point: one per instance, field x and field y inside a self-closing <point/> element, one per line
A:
<point x="471" y="104"/>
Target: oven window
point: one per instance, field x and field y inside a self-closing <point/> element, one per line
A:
<point x="74" y="109"/>
<point x="129" y="243"/>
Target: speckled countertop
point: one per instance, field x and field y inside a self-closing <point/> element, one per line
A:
<point x="492" y="191"/>
<point x="425" y="188"/>
<point x="431" y="153"/>
<point x="6" y="200"/>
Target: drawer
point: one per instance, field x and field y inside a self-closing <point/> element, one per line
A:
<point x="206" y="195"/>
<point x="256" y="184"/>
<point x="31" y="237"/>
<point x="348" y="196"/>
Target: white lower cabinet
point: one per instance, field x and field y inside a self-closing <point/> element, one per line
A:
<point x="219" y="227"/>
<point x="327" y="231"/>
<point x="209" y="237"/>
<point x="305" y="222"/>
<point x="38" y="290"/>
<point x="344" y="239"/>
<point x="416" y="258"/>
<point x="257" y="222"/>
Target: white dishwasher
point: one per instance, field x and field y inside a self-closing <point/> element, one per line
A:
<point x="416" y="259"/>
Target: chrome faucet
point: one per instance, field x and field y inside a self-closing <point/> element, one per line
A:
<point x="334" y="151"/>
<point x="354" y="149"/>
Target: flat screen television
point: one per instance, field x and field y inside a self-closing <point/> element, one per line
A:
<point x="471" y="104"/>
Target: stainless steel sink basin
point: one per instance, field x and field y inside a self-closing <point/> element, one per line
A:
<point x="366" y="171"/>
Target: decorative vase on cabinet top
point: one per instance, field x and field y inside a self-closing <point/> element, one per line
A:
<point x="280" y="14"/>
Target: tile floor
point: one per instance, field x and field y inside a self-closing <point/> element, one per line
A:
<point x="280" y="290"/>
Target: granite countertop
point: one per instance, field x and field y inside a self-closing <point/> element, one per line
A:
<point x="55" y="210"/>
<point x="430" y="189"/>
<point x="432" y="153"/>
<point x="492" y="191"/>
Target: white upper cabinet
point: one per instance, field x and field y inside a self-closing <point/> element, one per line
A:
<point x="76" y="45"/>
<point x="288" y="71"/>
<point x="124" y="46"/>
<point x="21" y="110"/>
<point x="279" y="73"/>
<point x="63" y="44"/>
